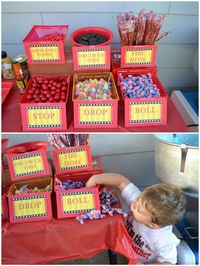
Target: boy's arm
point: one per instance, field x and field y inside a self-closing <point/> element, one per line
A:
<point x="109" y="179"/>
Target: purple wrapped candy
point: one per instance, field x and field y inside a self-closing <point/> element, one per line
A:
<point x="94" y="214"/>
<point x="69" y="184"/>
<point x="138" y="86"/>
<point x="121" y="211"/>
<point x="106" y="200"/>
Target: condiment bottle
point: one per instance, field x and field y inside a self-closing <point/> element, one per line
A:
<point x="6" y="66"/>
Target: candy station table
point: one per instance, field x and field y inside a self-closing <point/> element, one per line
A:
<point x="65" y="239"/>
<point x="11" y="118"/>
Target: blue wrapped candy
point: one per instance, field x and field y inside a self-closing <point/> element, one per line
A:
<point x="138" y="86"/>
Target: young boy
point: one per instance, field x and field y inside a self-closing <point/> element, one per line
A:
<point x="152" y="214"/>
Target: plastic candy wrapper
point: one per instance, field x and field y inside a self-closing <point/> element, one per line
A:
<point x="60" y="141"/>
<point x="94" y="214"/>
<point x="106" y="200"/>
<point x="140" y="29"/>
<point x="68" y="184"/>
<point x="138" y="86"/>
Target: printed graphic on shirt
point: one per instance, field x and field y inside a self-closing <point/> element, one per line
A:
<point x="141" y="248"/>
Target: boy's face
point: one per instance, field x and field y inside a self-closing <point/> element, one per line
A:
<point x="140" y="214"/>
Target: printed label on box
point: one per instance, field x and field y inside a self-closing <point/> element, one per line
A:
<point x="145" y="112"/>
<point x="45" y="53"/>
<point x="74" y="202"/>
<point x="29" y="207"/>
<point x="138" y="56"/>
<point x="44" y="117"/>
<point x="95" y="114"/>
<point x="28" y="164"/>
<point x="91" y="58"/>
<point x="74" y="159"/>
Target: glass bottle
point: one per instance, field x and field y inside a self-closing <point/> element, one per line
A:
<point x="6" y="66"/>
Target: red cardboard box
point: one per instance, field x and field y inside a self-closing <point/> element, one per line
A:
<point x="138" y="56"/>
<point x="49" y="51"/>
<point x="4" y="143"/>
<point x="30" y="207"/>
<point x="4" y="202"/>
<point x="44" y="116"/>
<point x="145" y="111"/>
<point x="95" y="113"/>
<point x="74" y="202"/>
<point x="72" y="159"/>
<point x="28" y="160"/>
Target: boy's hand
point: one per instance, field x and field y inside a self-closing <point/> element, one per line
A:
<point x="108" y="179"/>
<point x="91" y="182"/>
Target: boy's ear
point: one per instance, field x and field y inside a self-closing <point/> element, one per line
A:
<point x="154" y="226"/>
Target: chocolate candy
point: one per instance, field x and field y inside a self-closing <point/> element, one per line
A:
<point x="141" y="86"/>
<point x="93" y="89"/>
<point x="91" y="39"/>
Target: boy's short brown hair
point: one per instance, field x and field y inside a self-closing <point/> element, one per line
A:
<point x="165" y="202"/>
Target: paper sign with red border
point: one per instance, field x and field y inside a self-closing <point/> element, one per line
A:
<point x="72" y="159"/>
<point x="28" y="164"/>
<point x="138" y="56"/>
<point x="91" y="57"/>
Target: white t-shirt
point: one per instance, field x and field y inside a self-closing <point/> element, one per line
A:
<point x="149" y="244"/>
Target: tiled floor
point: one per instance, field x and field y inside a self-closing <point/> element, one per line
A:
<point x="101" y="258"/>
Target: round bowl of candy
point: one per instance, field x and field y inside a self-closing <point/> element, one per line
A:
<point x="91" y="36"/>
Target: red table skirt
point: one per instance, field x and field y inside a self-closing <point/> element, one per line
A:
<point x="60" y="240"/>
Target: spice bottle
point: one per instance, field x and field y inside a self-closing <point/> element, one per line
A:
<point x="6" y="66"/>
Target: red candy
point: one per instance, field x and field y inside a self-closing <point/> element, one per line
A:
<point x="53" y="37"/>
<point x="47" y="90"/>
